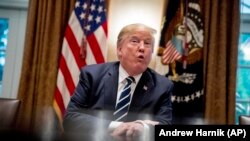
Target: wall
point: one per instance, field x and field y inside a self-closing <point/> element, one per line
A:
<point x="123" y="12"/>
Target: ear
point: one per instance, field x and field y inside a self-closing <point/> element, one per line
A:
<point x="119" y="52"/>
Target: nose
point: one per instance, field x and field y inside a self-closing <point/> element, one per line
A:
<point x="141" y="46"/>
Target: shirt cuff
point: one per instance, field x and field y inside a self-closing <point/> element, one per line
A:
<point x="113" y="125"/>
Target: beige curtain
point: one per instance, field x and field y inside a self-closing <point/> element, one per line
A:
<point x="221" y="19"/>
<point x="47" y="20"/>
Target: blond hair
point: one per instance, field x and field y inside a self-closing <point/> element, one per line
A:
<point x="128" y="29"/>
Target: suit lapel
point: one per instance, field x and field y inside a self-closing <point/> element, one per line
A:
<point x="141" y="91"/>
<point x="110" y="87"/>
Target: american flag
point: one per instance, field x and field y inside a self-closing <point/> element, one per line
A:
<point x="84" y="43"/>
<point x="170" y="53"/>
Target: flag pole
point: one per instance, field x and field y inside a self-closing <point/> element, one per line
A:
<point x="185" y="44"/>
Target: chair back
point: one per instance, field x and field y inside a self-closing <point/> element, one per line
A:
<point x="8" y="112"/>
<point x="244" y="120"/>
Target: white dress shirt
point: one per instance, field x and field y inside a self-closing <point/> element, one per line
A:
<point x="121" y="84"/>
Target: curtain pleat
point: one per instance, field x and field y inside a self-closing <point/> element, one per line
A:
<point x="221" y="20"/>
<point x="46" y="23"/>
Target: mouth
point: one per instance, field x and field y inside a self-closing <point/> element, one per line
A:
<point x="140" y="57"/>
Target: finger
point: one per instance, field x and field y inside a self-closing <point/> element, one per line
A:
<point x="119" y="131"/>
<point x="137" y="130"/>
<point x="129" y="133"/>
<point x="151" y="122"/>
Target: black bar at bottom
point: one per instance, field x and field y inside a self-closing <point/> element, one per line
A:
<point x="221" y="132"/>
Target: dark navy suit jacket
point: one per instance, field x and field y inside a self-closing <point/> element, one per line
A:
<point x="92" y="105"/>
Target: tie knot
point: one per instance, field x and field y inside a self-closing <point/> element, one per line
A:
<point x="130" y="79"/>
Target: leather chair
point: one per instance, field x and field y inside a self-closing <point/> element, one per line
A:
<point x="8" y="112"/>
<point x="244" y="120"/>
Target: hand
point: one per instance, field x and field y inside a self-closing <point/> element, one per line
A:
<point x="151" y="122"/>
<point x="128" y="129"/>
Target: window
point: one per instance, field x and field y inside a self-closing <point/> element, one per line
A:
<point x="13" y="15"/>
<point x="243" y="70"/>
<point x="3" y="44"/>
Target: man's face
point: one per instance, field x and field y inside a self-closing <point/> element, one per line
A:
<point x="135" y="51"/>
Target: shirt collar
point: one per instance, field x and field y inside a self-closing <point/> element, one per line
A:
<point x="123" y="75"/>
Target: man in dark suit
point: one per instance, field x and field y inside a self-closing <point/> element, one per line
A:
<point x="94" y="105"/>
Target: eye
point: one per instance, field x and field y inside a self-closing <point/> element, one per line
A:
<point x="134" y="41"/>
<point x="147" y="43"/>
